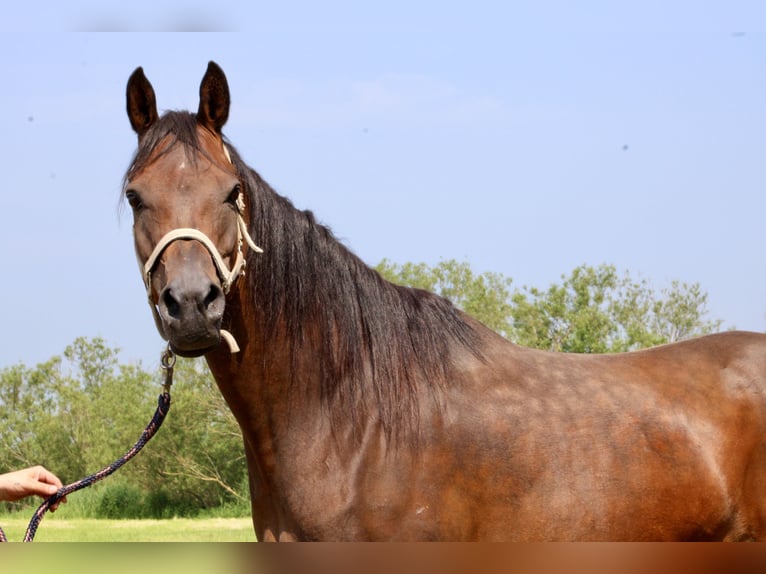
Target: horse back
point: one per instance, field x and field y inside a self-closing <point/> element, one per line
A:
<point x="662" y="444"/>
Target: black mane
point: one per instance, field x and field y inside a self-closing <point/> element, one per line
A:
<point x="394" y="338"/>
<point x="372" y="343"/>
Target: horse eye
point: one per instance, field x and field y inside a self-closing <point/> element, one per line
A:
<point x="234" y="195"/>
<point x="134" y="200"/>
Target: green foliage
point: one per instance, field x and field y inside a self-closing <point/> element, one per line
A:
<point x="597" y="310"/>
<point x="592" y="310"/>
<point x="77" y="413"/>
<point x="120" y="500"/>
<point x="201" y="454"/>
<point x="483" y="296"/>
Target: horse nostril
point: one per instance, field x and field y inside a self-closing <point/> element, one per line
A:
<point x="173" y="307"/>
<point x="214" y="295"/>
<point x="202" y="303"/>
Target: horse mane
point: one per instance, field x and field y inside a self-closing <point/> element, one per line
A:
<point x="371" y="342"/>
<point x="378" y="342"/>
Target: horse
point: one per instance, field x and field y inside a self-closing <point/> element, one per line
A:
<point x="372" y="411"/>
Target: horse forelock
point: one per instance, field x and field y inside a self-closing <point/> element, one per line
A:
<point x="174" y="127"/>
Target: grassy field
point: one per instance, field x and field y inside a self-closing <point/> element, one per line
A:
<point x="52" y="529"/>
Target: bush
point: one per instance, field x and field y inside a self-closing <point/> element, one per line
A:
<point x="121" y="500"/>
<point x="162" y="504"/>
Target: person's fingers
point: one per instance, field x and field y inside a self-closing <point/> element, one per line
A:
<point x="50" y="483"/>
<point x="37" y="480"/>
<point x="55" y="506"/>
<point x="47" y="477"/>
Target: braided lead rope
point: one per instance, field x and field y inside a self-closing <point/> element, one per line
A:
<point x="163" y="406"/>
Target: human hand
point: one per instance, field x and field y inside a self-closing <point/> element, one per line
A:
<point x="36" y="480"/>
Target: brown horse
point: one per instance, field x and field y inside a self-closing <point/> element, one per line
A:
<point x="371" y="411"/>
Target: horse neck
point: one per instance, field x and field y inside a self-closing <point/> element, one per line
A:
<point x="257" y="382"/>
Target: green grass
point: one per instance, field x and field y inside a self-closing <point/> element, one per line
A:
<point x="52" y="529"/>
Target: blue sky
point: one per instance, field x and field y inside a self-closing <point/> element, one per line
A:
<point x="526" y="138"/>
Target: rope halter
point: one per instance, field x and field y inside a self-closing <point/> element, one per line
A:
<point x="226" y="275"/>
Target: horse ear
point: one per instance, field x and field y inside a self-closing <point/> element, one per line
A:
<point x="213" y="99"/>
<point x="142" y="105"/>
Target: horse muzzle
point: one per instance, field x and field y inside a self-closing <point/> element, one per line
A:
<point x="190" y="309"/>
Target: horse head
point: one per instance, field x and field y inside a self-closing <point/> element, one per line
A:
<point x="188" y="208"/>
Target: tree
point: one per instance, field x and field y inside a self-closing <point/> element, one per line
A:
<point x="597" y="310"/>
<point x="592" y="310"/>
<point x="74" y="414"/>
<point x="484" y="296"/>
<point x="200" y="455"/>
<point x="77" y="413"/>
<point x="572" y="317"/>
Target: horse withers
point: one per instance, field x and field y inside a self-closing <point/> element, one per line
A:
<point x="371" y="411"/>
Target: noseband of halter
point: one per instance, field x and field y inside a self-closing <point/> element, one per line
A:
<point x="226" y="275"/>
